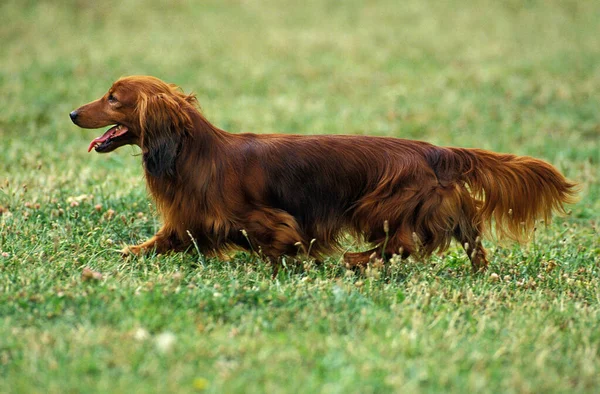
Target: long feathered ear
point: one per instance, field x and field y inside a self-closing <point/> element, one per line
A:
<point x="163" y="123"/>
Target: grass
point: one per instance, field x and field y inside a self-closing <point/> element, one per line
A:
<point x="510" y="76"/>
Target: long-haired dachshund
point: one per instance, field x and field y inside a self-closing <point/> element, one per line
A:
<point x="283" y="195"/>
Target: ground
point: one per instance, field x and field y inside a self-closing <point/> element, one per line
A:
<point x="511" y="76"/>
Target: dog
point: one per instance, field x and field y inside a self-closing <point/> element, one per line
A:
<point x="284" y="195"/>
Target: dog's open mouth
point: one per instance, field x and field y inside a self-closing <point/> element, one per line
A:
<point x="112" y="139"/>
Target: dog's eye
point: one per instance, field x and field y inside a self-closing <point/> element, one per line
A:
<point x="111" y="98"/>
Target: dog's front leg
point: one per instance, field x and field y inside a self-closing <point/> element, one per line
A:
<point x="162" y="242"/>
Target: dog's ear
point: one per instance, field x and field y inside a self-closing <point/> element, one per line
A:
<point x="160" y="156"/>
<point x="163" y="123"/>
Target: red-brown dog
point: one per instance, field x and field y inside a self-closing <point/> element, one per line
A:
<point x="285" y="194"/>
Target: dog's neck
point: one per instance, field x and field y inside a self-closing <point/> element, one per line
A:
<point x="205" y="132"/>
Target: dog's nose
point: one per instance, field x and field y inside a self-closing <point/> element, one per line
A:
<point x="73" y="116"/>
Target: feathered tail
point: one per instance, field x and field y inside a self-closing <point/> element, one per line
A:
<point x="515" y="191"/>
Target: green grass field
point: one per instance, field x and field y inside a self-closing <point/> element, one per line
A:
<point x="511" y="76"/>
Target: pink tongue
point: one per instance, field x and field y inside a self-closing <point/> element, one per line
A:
<point x="110" y="133"/>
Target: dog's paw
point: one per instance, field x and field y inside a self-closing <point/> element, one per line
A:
<point x="358" y="259"/>
<point x="130" y="250"/>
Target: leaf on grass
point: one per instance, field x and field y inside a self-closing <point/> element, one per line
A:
<point x="89" y="275"/>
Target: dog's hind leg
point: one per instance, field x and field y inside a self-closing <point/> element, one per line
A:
<point x="470" y="240"/>
<point x="468" y="234"/>
<point x="396" y="244"/>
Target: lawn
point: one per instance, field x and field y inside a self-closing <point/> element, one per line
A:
<point x="510" y="76"/>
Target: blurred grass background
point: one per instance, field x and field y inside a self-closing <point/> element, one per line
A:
<point x="511" y="76"/>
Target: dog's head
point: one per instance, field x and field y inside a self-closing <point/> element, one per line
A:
<point x="143" y="111"/>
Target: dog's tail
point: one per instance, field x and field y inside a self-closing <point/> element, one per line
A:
<point x="514" y="191"/>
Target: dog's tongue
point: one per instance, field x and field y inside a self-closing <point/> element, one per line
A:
<point x="113" y="132"/>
